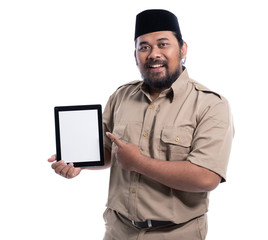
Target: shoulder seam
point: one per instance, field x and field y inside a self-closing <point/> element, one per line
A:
<point x="204" y="89"/>
<point x="135" y="82"/>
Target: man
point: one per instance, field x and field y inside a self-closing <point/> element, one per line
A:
<point x="167" y="142"/>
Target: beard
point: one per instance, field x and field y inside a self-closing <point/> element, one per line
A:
<point x="154" y="80"/>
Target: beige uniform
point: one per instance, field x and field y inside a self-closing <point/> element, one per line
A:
<point x="187" y="122"/>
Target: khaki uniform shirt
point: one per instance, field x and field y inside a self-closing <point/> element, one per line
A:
<point x="187" y="122"/>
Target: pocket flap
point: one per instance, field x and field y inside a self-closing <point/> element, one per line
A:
<point x="177" y="135"/>
<point x="119" y="131"/>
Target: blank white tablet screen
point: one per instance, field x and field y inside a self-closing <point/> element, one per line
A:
<point x="79" y="135"/>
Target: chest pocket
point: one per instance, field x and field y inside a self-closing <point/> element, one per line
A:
<point x="175" y="143"/>
<point x="128" y="133"/>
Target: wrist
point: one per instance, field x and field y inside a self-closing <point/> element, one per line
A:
<point x="141" y="164"/>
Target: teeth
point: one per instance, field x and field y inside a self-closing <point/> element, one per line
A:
<point x="156" y="66"/>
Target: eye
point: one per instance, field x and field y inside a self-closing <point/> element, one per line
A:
<point x="144" y="48"/>
<point x="163" y="45"/>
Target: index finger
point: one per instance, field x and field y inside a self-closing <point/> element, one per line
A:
<point x="114" y="139"/>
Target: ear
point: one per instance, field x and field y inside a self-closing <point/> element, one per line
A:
<point x="135" y="55"/>
<point x="184" y="50"/>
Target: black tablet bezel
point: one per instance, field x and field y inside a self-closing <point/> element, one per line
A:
<point x="97" y="107"/>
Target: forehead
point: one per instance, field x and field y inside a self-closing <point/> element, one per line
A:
<point x="156" y="36"/>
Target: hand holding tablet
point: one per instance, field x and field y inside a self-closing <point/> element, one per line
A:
<point x="79" y="135"/>
<point x="63" y="169"/>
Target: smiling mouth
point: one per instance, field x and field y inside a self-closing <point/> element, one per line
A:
<point x="156" y="66"/>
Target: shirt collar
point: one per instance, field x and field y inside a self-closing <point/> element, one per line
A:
<point x="180" y="85"/>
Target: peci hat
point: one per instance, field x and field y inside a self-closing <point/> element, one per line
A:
<point x="154" y="20"/>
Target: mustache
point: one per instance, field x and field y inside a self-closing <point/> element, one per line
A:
<point x="149" y="63"/>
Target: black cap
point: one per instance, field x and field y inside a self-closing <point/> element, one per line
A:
<point x="155" y="20"/>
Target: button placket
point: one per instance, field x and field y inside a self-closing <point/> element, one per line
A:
<point x="133" y="191"/>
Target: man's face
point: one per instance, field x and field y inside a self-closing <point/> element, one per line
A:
<point x="158" y="57"/>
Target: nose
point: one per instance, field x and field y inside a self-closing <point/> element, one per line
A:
<point x="154" y="53"/>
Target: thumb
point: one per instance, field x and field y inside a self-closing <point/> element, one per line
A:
<point x="114" y="139"/>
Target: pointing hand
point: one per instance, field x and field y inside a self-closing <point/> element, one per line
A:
<point x="128" y="155"/>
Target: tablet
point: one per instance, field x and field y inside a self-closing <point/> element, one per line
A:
<point x="79" y="135"/>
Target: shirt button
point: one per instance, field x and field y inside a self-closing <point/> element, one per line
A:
<point x="151" y="106"/>
<point x="177" y="139"/>
<point x="133" y="190"/>
<point x="145" y="134"/>
<point x="200" y="87"/>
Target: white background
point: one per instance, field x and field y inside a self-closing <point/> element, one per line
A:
<point x="57" y="52"/>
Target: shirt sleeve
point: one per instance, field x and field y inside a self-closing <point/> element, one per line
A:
<point x="107" y="117"/>
<point x="212" y="139"/>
